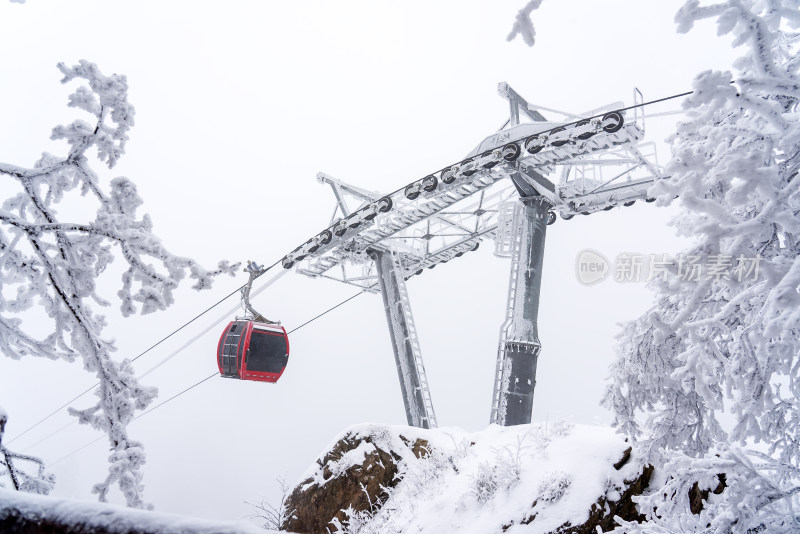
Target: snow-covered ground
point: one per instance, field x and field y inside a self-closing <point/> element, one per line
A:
<point x="527" y="478"/>
<point x="86" y="517"/>
<point x="479" y="482"/>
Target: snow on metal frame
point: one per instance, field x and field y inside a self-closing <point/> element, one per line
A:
<point x="437" y="226"/>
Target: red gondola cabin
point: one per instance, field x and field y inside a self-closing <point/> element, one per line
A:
<point x="249" y="350"/>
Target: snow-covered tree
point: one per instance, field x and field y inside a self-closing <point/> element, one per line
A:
<point x="53" y="264"/>
<point x="42" y="482"/>
<point x="708" y="381"/>
<point x="523" y="25"/>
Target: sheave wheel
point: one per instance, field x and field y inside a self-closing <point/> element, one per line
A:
<point x="491" y="163"/>
<point x="429" y="183"/>
<point x="615" y="122"/>
<point x="471" y="171"/>
<point x="385" y="204"/>
<point x="449" y="175"/>
<point x="562" y="142"/>
<point x="511" y="152"/>
<point x="534" y="144"/>
<point x="586" y="135"/>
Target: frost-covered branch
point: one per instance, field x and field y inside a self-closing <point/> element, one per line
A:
<point x="55" y="265"/>
<point x="728" y="343"/>
<point x="42" y="482"/>
<point x="21" y="480"/>
<point x="523" y="25"/>
<point x="272" y="516"/>
<point x="720" y="493"/>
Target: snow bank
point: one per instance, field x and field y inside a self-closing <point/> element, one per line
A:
<point x="529" y="478"/>
<point x="68" y="516"/>
<point x="532" y="478"/>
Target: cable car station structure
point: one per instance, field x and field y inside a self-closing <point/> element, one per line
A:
<point x="508" y="189"/>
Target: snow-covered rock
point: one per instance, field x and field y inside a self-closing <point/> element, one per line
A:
<point x="536" y="478"/>
<point x="23" y="513"/>
<point x="357" y="470"/>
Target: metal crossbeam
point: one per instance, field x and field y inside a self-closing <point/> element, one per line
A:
<point x="443" y="224"/>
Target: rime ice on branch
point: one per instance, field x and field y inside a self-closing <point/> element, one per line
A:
<point x="730" y="343"/>
<point x="523" y="25"/>
<point x="53" y="264"/>
<point x="42" y="482"/>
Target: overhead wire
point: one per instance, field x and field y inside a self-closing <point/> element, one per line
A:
<point x="151" y="347"/>
<point x="221" y="319"/>
<point x="51" y="414"/>
<point x="135" y="418"/>
<point x="328" y="311"/>
<point x="634" y="106"/>
<point x="642" y="104"/>
<point x="209" y="377"/>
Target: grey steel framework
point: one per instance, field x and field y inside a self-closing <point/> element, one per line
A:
<point x="507" y="189"/>
<point x="518" y="354"/>
<point x="407" y="355"/>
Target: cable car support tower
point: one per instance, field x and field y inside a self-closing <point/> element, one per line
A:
<point x="508" y="189"/>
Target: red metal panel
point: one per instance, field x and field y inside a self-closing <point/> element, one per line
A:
<point x="259" y="376"/>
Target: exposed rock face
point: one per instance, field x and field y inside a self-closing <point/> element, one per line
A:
<point x="698" y="497"/>
<point x="355" y="473"/>
<point x="560" y="478"/>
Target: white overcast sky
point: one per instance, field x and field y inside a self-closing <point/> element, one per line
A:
<point x="238" y="105"/>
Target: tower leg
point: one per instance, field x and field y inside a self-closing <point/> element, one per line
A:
<point x="519" y="348"/>
<point x="407" y="356"/>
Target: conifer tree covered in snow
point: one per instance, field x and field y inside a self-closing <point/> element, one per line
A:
<point x="53" y="264"/>
<point x="708" y="381"/>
